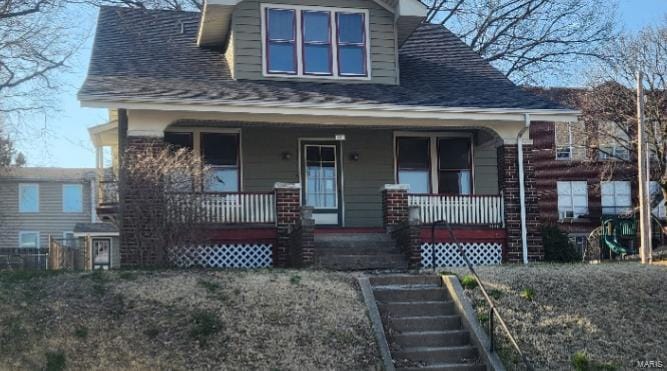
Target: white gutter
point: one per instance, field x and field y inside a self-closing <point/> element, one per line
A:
<point x="522" y="188"/>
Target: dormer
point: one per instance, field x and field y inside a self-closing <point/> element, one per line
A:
<point x="345" y="41"/>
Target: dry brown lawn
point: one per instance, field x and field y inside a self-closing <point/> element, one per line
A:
<point x="615" y="313"/>
<point x="262" y="320"/>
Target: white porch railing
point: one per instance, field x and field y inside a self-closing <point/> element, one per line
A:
<point x="474" y="210"/>
<point x="228" y="208"/>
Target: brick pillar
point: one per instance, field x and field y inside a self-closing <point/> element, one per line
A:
<point x="130" y="252"/>
<point x="508" y="178"/>
<point x="288" y="206"/>
<point x="394" y="205"/>
<point x="302" y="240"/>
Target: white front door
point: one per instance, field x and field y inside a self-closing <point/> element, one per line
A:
<point x="321" y="182"/>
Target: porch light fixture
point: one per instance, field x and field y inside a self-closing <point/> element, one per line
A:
<point x="354" y="156"/>
<point x="286" y="155"/>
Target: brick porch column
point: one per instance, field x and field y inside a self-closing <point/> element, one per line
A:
<point x="288" y="208"/>
<point x="130" y="252"/>
<point x="394" y="205"/>
<point x="508" y="179"/>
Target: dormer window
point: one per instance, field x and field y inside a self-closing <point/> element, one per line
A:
<point x="319" y="42"/>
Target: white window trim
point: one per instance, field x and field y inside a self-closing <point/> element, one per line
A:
<point x="196" y="142"/>
<point x="298" y="43"/>
<point x="433" y="149"/>
<point x="21" y="233"/>
<point x="615" y="206"/>
<point x="561" y="215"/>
<point x="24" y="185"/>
<point x="569" y="145"/>
<point x="80" y="186"/>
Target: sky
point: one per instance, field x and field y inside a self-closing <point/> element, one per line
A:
<point x="60" y="137"/>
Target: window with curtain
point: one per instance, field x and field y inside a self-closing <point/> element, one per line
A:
<point x="413" y="163"/>
<point x="281" y="40"/>
<point x="454" y="166"/>
<point x="616" y="197"/>
<point x="572" y="199"/>
<point x="221" y="153"/>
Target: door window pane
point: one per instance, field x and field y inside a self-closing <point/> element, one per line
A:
<point x="28" y="198"/>
<point x="321" y="177"/>
<point x="72" y="198"/>
<point x="281" y="40"/>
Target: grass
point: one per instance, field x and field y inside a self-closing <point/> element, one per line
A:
<point x="578" y="316"/>
<point x="468" y="282"/>
<point x="176" y="320"/>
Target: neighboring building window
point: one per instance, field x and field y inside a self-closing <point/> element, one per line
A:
<point x="613" y="153"/>
<point x="563" y="140"/>
<point x="72" y="198"/>
<point x="68" y="239"/>
<point x="299" y="40"/>
<point x="221" y="154"/>
<point x="579" y="241"/>
<point x="454" y="166"/>
<point x="29" y="240"/>
<point x="572" y="199"/>
<point x="660" y="211"/>
<point x="28" y="198"/>
<point x="413" y="163"/>
<point x="616" y="197"/>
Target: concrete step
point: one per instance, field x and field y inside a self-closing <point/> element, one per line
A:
<point x="426" y="323"/>
<point x="355" y="250"/>
<point x="352" y="237"/>
<point x="363" y="262"/>
<point x="432" y="338"/>
<point x="405" y="280"/>
<point x="447" y="367"/>
<point x="410" y="294"/>
<point x="438" y="355"/>
<point x="413" y="309"/>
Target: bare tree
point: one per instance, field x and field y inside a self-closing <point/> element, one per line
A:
<point x="612" y="105"/>
<point x="529" y="40"/>
<point x="160" y="202"/>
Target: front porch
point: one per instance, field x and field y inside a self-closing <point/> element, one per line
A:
<point x="457" y="174"/>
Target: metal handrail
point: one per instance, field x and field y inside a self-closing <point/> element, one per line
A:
<point x="492" y="307"/>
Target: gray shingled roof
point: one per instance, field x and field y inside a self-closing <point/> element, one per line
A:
<point x="150" y="55"/>
<point x="47" y="174"/>
<point x="95" y="228"/>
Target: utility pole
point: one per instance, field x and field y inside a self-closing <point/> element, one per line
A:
<point x="644" y="202"/>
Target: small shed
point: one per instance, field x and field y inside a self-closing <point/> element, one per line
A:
<point x="100" y="245"/>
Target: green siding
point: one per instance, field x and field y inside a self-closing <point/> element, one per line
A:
<point x="246" y="25"/>
<point x="486" y="165"/>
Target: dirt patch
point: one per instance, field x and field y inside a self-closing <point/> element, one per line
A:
<point x="265" y="320"/>
<point x="612" y="313"/>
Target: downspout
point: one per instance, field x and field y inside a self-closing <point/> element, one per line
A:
<point x="522" y="188"/>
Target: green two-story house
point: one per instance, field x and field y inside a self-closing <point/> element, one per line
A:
<point x="354" y="106"/>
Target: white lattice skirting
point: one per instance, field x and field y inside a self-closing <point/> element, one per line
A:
<point x="447" y="255"/>
<point x="225" y="256"/>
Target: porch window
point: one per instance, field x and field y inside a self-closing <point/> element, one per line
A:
<point x="413" y="163"/>
<point x="572" y="199"/>
<point x="281" y="40"/>
<point x="221" y="153"/>
<point x="616" y="198"/>
<point x="454" y="166"/>
<point x="178" y="140"/>
<point x="180" y="182"/>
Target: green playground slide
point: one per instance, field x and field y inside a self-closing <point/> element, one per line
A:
<point x="614" y="246"/>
